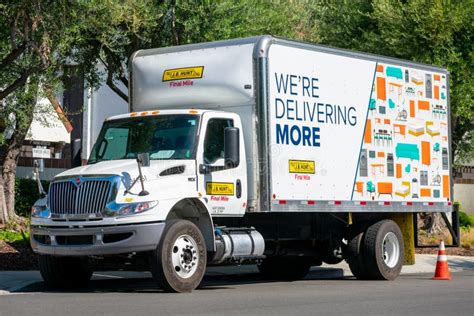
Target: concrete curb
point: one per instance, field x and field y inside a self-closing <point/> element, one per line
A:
<point x="14" y="281"/>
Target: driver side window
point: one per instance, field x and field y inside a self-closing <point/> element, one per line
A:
<point x="214" y="140"/>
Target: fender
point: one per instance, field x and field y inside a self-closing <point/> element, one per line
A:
<point x="194" y="210"/>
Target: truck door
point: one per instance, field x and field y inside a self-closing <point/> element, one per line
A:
<point x="225" y="189"/>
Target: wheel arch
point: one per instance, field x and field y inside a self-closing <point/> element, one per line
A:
<point x="195" y="210"/>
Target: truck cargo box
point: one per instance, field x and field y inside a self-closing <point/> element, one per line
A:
<point x="325" y="129"/>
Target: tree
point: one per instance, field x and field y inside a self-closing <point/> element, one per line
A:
<point x="32" y="52"/>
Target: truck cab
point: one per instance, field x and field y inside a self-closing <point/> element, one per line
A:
<point x="195" y="170"/>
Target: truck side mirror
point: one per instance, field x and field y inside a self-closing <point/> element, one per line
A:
<point x="231" y="147"/>
<point x="143" y="159"/>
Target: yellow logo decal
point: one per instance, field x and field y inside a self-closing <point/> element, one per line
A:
<point x="219" y="188"/>
<point x="183" y="73"/>
<point x="301" y="166"/>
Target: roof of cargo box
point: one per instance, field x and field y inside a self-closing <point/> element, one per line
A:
<point x="263" y="42"/>
<point x="216" y="75"/>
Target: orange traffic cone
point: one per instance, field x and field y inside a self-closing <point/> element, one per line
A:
<point x="442" y="269"/>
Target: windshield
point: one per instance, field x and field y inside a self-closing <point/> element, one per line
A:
<point x="162" y="136"/>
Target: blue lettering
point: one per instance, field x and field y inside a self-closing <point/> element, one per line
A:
<point x="329" y="113"/>
<point x="314" y="87"/>
<point x="293" y="85"/>
<point x="298" y="118"/>
<point x="352" y="118"/>
<point x="310" y="110"/>
<point x="305" y="86"/>
<point x="290" y="109"/>
<point x="295" y="141"/>
<point x="306" y="136"/>
<point x="282" y="135"/>
<point x="283" y="83"/>
<point x="342" y="114"/>
<point x="320" y="112"/>
<point x="315" y="136"/>
<point x="277" y="102"/>
<point x="296" y="135"/>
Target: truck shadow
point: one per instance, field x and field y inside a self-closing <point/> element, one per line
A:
<point x="146" y="284"/>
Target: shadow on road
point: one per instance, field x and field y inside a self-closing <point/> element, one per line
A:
<point x="148" y="285"/>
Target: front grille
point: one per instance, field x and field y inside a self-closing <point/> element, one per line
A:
<point x="89" y="196"/>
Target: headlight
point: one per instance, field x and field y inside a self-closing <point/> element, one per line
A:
<point x="40" y="211"/>
<point x="131" y="209"/>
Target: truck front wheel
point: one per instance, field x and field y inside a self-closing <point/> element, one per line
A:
<point x="383" y="250"/>
<point x="179" y="262"/>
<point x="64" y="271"/>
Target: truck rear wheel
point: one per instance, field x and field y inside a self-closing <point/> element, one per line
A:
<point x="59" y="272"/>
<point x="179" y="262"/>
<point x="285" y="268"/>
<point x="383" y="250"/>
<point x="355" y="258"/>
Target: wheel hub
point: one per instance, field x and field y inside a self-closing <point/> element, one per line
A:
<point x="390" y="249"/>
<point x="184" y="256"/>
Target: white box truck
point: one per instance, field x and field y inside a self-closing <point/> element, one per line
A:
<point x="256" y="150"/>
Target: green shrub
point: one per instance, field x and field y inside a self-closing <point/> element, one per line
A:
<point x="26" y="194"/>
<point x="466" y="220"/>
<point x="14" y="237"/>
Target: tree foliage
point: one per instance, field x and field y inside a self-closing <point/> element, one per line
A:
<point x="32" y="53"/>
<point x="111" y="31"/>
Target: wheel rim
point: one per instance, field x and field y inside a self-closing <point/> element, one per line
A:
<point x="185" y="256"/>
<point x="390" y="249"/>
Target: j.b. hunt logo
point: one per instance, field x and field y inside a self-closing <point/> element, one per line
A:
<point x="195" y="72"/>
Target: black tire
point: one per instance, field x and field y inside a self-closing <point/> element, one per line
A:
<point x="169" y="275"/>
<point x="64" y="272"/>
<point x="373" y="245"/>
<point x="285" y="268"/>
<point x="355" y="258"/>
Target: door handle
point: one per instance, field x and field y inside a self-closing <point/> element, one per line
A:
<point x="238" y="189"/>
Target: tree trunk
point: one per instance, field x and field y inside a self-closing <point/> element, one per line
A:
<point x="4" y="216"/>
<point x="11" y="152"/>
<point x="433" y="223"/>
<point x="8" y="175"/>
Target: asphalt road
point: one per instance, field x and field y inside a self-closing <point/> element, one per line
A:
<point x="246" y="294"/>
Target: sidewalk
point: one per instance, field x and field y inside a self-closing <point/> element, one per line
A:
<point x="12" y="281"/>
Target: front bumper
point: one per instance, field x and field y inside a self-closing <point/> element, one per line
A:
<point x="102" y="240"/>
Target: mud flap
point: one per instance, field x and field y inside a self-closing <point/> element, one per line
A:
<point x="405" y="222"/>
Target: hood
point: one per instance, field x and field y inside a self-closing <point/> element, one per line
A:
<point x="127" y="167"/>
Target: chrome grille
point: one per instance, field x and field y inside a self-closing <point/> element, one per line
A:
<point x="90" y="196"/>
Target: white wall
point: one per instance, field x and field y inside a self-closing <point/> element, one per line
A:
<point x="464" y="193"/>
<point x="46" y="125"/>
<point x="47" y="174"/>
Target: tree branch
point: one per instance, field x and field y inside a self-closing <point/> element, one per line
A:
<point x="115" y="61"/>
<point x="111" y="84"/>
<point x="14" y="54"/>
<point x="18" y="82"/>
<point x="57" y="107"/>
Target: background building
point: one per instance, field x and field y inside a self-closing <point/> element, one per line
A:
<point x="60" y="146"/>
<point x="464" y="187"/>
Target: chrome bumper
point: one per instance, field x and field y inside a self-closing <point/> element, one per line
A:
<point x="102" y="240"/>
